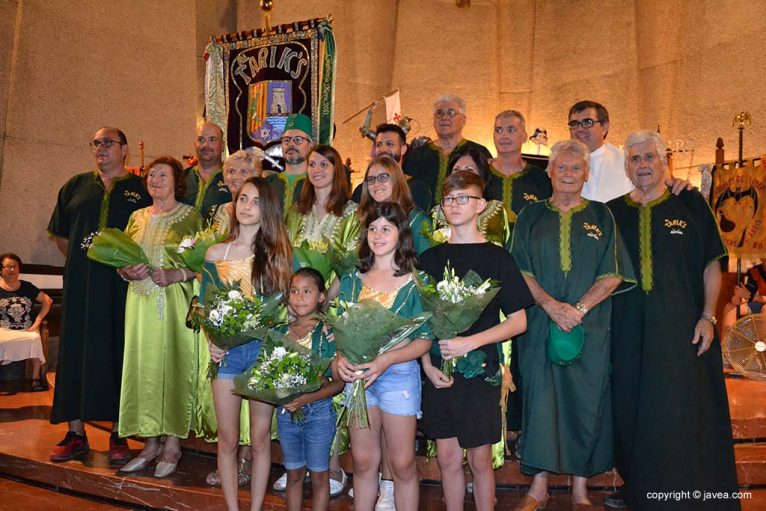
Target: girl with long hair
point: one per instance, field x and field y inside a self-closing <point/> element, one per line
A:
<point x="258" y="255"/>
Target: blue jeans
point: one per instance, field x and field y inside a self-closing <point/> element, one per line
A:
<point x="396" y="391"/>
<point x="307" y="442"/>
<point x="239" y="359"/>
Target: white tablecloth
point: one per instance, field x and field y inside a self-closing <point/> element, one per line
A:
<point x="18" y="345"/>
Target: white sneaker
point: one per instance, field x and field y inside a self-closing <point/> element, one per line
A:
<point x="281" y="483"/>
<point x="386" y="500"/>
<point x="337" y="487"/>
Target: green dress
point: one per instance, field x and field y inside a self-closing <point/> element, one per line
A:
<point x="422" y="230"/>
<point x="671" y="411"/>
<point x="287" y="187"/>
<point x="567" y="419"/>
<point x="203" y="195"/>
<point x="206" y="424"/>
<point x="342" y="231"/>
<point x="428" y="163"/>
<point x="160" y="367"/>
<point x="494" y="223"/>
<point x="88" y="374"/>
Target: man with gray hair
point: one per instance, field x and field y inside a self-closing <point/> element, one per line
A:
<point x="513" y="180"/>
<point x="429" y="162"/>
<point x="672" y="431"/>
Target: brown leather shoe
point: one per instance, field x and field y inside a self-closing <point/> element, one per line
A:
<point x="529" y="503"/>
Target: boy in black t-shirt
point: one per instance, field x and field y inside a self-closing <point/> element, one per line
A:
<point x="459" y="412"/>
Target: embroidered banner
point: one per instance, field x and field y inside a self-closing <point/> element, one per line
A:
<point x="738" y="201"/>
<point x="255" y="80"/>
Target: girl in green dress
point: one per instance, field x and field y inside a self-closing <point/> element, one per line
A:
<point x="258" y="255"/>
<point x="386" y="261"/>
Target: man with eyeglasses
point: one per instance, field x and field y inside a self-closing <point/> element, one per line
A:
<point x="205" y="186"/>
<point x="89" y="369"/>
<point x="429" y="162"/>
<point x="296" y="144"/>
<point x="589" y="123"/>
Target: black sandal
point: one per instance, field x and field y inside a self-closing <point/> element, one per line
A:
<point x="38" y="386"/>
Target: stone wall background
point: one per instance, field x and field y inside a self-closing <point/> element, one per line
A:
<point x="68" y="67"/>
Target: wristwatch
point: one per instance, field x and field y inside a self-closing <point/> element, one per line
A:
<point x="582" y="308"/>
<point x="710" y="318"/>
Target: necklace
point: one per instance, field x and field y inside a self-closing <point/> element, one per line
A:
<point x="300" y="335"/>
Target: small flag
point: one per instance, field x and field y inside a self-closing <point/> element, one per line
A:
<point x="393" y="108"/>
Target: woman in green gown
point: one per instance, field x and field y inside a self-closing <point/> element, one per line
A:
<point x="572" y="259"/>
<point x="495" y="221"/>
<point x="160" y="366"/>
<point x="384" y="181"/>
<point x="324" y="215"/>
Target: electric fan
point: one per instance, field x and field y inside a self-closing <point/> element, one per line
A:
<point x="745" y="346"/>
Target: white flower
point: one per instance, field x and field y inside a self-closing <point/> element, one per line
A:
<point x="187" y="243"/>
<point x="279" y="352"/>
<point x="234" y="295"/>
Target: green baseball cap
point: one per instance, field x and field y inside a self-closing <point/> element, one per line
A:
<point x="299" y="122"/>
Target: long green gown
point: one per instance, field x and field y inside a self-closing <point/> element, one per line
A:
<point x="160" y="366"/>
<point x="567" y="417"/>
<point x="89" y="370"/>
<point x="671" y="412"/>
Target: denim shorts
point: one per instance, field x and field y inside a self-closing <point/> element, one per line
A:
<point x="239" y="359"/>
<point x="307" y="442"/>
<point x="396" y="391"/>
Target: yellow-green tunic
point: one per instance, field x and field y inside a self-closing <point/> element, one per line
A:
<point x="160" y="365"/>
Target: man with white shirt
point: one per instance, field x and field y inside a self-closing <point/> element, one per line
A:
<point x="589" y="123"/>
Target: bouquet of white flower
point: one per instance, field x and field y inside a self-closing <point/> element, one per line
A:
<point x="284" y="370"/>
<point x="455" y="305"/>
<point x="231" y="318"/>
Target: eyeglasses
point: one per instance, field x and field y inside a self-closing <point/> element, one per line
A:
<point x="380" y="178"/>
<point x="10" y="267"/>
<point x="648" y="158"/>
<point x="585" y="123"/>
<point x="296" y="139"/>
<point x="449" y="113"/>
<point x="458" y="199"/>
<point x="106" y="143"/>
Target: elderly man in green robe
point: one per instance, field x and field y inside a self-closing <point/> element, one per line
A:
<point x="572" y="259"/>
<point x="671" y="413"/>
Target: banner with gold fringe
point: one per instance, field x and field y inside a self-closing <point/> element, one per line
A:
<point x="255" y="79"/>
<point x="739" y="204"/>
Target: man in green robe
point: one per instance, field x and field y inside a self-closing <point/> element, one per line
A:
<point x="205" y="186"/>
<point x="93" y="316"/>
<point x="672" y="431"/>
<point x="296" y="144"/>
<point x="428" y="162"/>
<point x="572" y="259"/>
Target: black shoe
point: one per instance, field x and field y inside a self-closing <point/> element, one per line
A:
<point x="72" y="446"/>
<point x="615" y="500"/>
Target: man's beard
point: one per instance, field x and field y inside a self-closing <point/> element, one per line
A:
<point x="396" y="157"/>
<point x="294" y="160"/>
